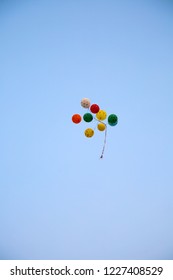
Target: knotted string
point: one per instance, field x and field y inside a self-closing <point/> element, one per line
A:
<point x="104" y="144"/>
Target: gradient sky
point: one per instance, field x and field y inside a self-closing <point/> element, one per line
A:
<point x="58" y="200"/>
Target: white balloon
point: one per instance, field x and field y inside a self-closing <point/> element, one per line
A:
<point x="85" y="102"/>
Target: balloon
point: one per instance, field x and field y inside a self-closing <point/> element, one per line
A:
<point x="112" y="120"/>
<point x="101" y="115"/>
<point x="89" y="132"/>
<point x="88" y="117"/>
<point x="85" y="102"/>
<point x="94" y="113"/>
<point x="76" y="118"/>
<point x="101" y="126"/>
<point x="94" y="108"/>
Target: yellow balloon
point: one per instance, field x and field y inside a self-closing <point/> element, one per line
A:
<point x="89" y="132"/>
<point x="101" y="115"/>
<point x="101" y="126"/>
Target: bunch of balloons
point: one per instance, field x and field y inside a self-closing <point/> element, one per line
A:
<point x="97" y="114"/>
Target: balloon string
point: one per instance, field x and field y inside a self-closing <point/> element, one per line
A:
<point x="104" y="143"/>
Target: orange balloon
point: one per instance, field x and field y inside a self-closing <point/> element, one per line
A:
<point x="76" y="118"/>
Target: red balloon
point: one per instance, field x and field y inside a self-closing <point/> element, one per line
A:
<point x="94" y="108"/>
<point x="76" y="118"/>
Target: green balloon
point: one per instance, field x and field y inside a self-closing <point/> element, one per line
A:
<point x="88" y="117"/>
<point x="112" y="120"/>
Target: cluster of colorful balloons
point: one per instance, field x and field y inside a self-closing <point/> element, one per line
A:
<point x="97" y="114"/>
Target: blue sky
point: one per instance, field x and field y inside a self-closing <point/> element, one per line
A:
<point x="58" y="200"/>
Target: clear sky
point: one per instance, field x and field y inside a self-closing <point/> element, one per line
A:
<point x="58" y="200"/>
